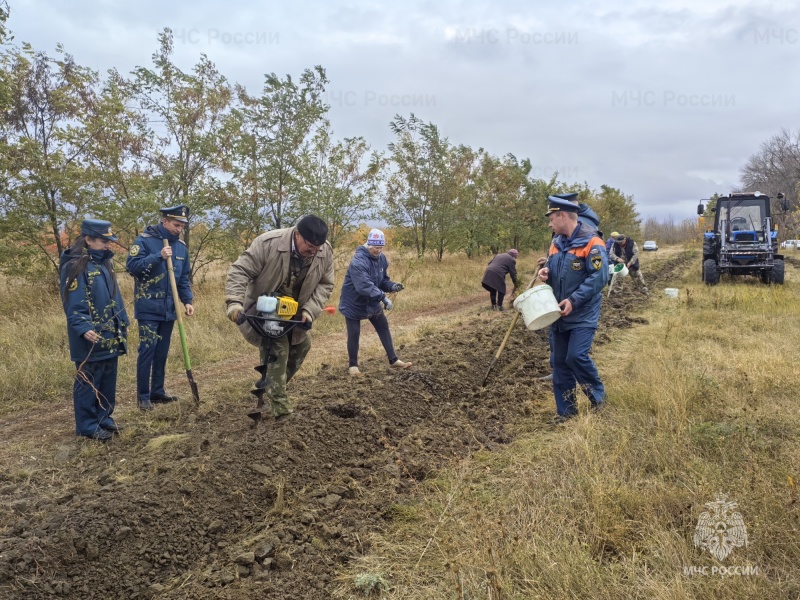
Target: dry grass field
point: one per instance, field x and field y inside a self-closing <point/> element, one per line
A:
<point x="702" y="404"/>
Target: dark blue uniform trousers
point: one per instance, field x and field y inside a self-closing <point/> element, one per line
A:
<point x="381" y="325"/>
<point x="571" y="364"/>
<point x="94" y="395"/>
<point x="154" y="340"/>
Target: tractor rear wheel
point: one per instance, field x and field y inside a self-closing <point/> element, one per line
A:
<point x="776" y="276"/>
<point x="710" y="272"/>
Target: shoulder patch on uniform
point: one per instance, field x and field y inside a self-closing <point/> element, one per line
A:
<point x="145" y="234"/>
<point x="595" y="250"/>
<point x="73" y="286"/>
<point x="597" y="262"/>
<point x="181" y="241"/>
<point x="135" y="250"/>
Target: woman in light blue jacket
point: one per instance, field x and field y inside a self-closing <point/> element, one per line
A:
<point x="364" y="297"/>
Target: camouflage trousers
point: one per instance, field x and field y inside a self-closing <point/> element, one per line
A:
<point x="289" y="359"/>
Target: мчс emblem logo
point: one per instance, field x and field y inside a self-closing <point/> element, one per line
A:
<point x="135" y="250"/>
<point x="719" y="530"/>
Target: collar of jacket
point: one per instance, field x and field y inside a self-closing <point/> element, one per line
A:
<point x="100" y="256"/>
<point x="166" y="235"/>
<point x="580" y="236"/>
<point x="367" y="253"/>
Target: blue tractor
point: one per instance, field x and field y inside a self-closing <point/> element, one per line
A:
<point x="744" y="240"/>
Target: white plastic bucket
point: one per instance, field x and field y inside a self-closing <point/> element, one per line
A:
<point x="620" y="270"/>
<point x="671" y="292"/>
<point x="538" y="307"/>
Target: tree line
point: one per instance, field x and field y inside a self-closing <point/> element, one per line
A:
<point x="75" y="144"/>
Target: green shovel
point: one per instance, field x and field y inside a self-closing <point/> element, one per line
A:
<point x="184" y="346"/>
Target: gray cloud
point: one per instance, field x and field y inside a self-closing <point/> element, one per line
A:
<point x="665" y="101"/>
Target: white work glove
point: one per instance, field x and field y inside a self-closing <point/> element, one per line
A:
<point x="387" y="303"/>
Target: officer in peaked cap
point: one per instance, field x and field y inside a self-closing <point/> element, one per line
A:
<point x="155" y="308"/>
<point x="179" y="213"/>
<point x="98" y="229"/>
<point x="557" y="203"/>
<point x="97" y="327"/>
<point x="569" y="196"/>
<point x="589" y="220"/>
<point x="577" y="270"/>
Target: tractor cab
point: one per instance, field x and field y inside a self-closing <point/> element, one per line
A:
<point x="745" y="219"/>
<point x="743" y="240"/>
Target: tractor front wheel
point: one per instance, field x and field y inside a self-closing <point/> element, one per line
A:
<point x="710" y="272"/>
<point x="776" y="276"/>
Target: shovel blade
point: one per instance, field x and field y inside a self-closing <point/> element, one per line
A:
<point x="486" y="377"/>
<point x="193" y="385"/>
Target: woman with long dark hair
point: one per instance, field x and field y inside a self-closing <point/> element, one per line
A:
<point x="97" y="326"/>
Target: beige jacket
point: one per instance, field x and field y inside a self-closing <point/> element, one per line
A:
<point x="263" y="267"/>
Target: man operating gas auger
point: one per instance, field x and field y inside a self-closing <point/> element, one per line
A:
<point x="274" y="291"/>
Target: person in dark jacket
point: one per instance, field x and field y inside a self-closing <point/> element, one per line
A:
<point x="625" y="251"/>
<point x="97" y="327"/>
<point x="154" y="307"/>
<point x="494" y="278"/>
<point x="577" y="270"/>
<point x="364" y="296"/>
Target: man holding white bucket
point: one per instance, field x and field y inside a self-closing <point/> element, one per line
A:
<point x="624" y="251"/>
<point x="577" y="270"/>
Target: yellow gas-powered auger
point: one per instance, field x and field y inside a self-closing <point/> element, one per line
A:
<point x="271" y="318"/>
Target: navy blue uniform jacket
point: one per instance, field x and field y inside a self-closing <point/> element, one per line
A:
<point x="365" y="285"/>
<point x="152" y="294"/>
<point x="89" y="304"/>
<point x="578" y="271"/>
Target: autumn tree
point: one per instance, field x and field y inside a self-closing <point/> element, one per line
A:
<point x="272" y="133"/>
<point x="617" y="212"/>
<point x="46" y="185"/>
<point x="339" y="182"/>
<point x="187" y="112"/>
<point x="118" y="158"/>
<point x="775" y="168"/>
<point x="415" y="195"/>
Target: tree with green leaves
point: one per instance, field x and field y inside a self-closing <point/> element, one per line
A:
<point x="4" y="13"/>
<point x="187" y="112"/>
<point x="465" y="164"/>
<point x="118" y="154"/>
<point x="617" y="212"/>
<point x="47" y="186"/>
<point x="415" y="195"/>
<point x="272" y="131"/>
<point x="340" y="182"/>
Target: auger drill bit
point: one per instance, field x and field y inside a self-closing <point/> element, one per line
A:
<point x="258" y="392"/>
<point x="261" y="387"/>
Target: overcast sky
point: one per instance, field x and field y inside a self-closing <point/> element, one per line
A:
<point x="664" y="100"/>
